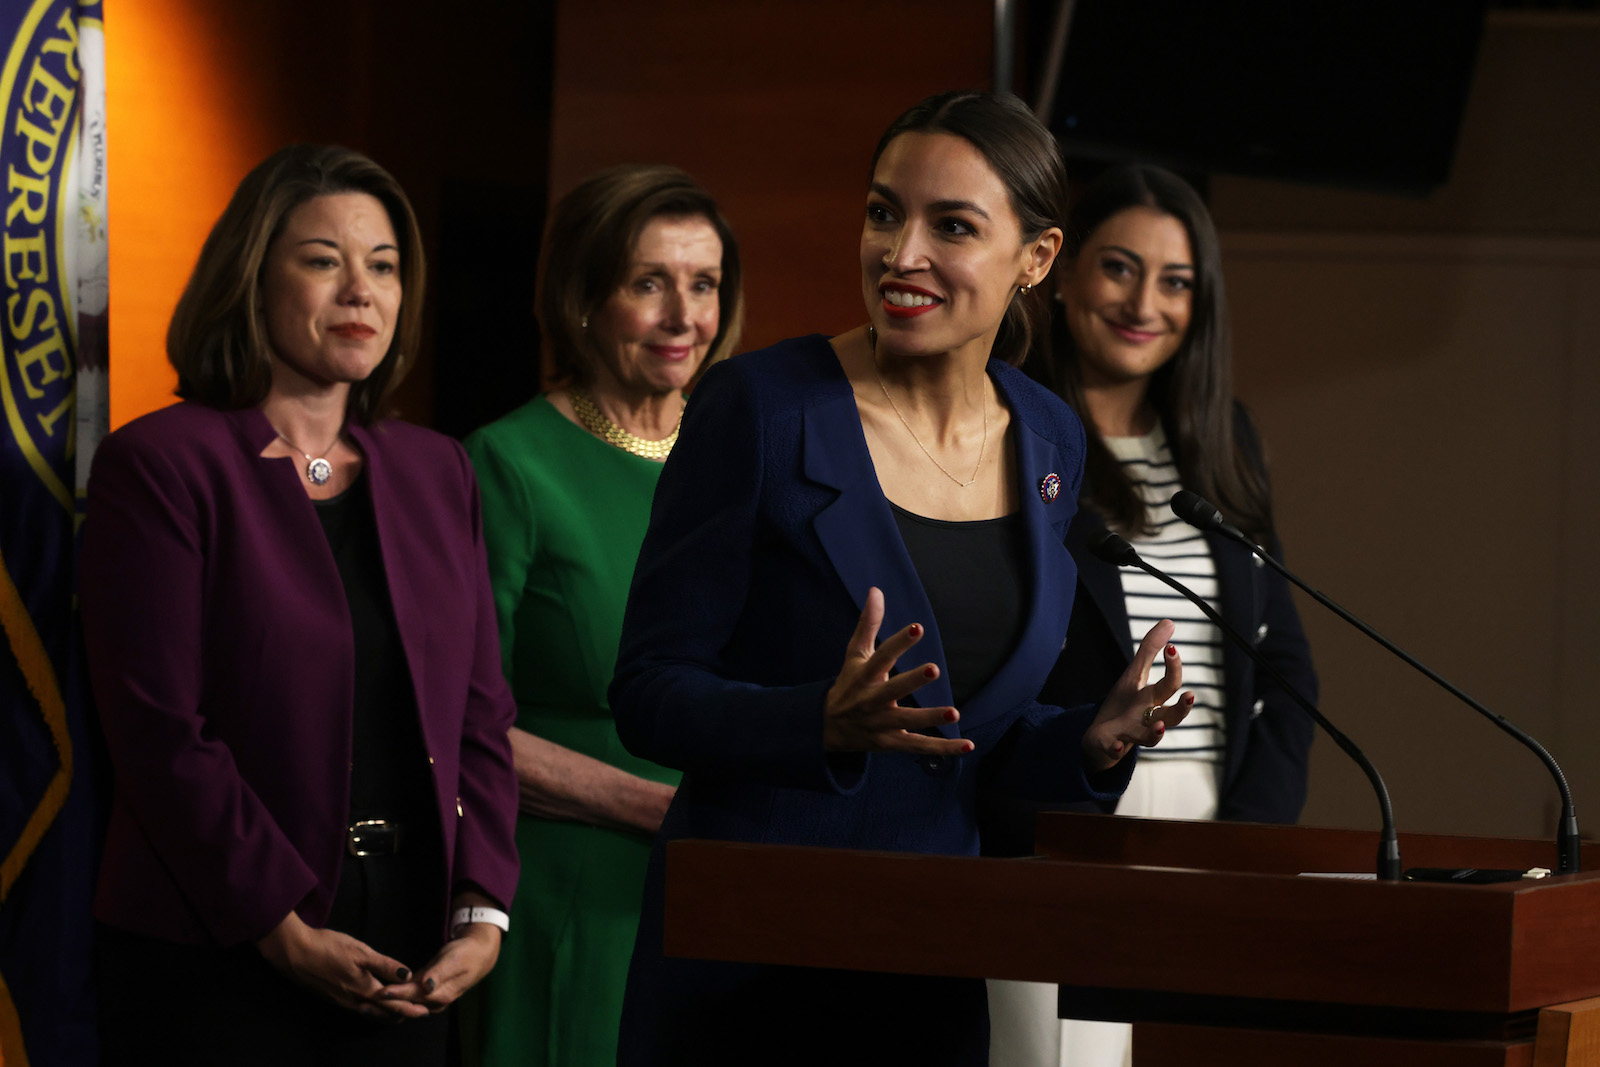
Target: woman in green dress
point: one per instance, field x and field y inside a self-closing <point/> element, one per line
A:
<point x="638" y="291"/>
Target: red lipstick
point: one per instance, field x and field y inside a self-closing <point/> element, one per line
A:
<point x="897" y="311"/>
<point x="353" y="331"/>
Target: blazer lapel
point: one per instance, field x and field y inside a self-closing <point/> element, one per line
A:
<point x="861" y="539"/>
<point x="1050" y="569"/>
<point x="1102" y="581"/>
<point x="408" y="613"/>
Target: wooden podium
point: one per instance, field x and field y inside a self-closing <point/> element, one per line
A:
<point x="1265" y="967"/>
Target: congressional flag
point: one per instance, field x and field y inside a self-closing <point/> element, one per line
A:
<point x="53" y="393"/>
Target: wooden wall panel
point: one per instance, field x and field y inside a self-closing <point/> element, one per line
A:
<point x="775" y="107"/>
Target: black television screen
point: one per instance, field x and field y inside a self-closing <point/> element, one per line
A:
<point x="1358" y="93"/>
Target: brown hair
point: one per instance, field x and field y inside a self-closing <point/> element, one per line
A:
<point x="217" y="341"/>
<point x="589" y="241"/>
<point x="1024" y="155"/>
<point x="1193" y="391"/>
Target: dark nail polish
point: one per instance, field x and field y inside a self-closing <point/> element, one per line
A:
<point x="427" y="985"/>
<point x="915" y="629"/>
<point x="929" y="672"/>
<point x="401" y="975"/>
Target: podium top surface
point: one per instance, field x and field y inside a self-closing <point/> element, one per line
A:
<point x="1127" y="904"/>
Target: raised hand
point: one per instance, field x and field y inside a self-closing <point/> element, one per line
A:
<point x="862" y="713"/>
<point x="1136" y="712"/>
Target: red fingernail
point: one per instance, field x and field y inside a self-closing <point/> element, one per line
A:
<point x="970" y="747"/>
<point x="952" y="715"/>
<point x="1188" y="698"/>
<point x="930" y="671"/>
<point x="915" y="629"/>
<point x="1172" y="650"/>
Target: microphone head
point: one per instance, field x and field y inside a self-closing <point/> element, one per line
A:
<point x="1196" y="510"/>
<point x="1113" y="549"/>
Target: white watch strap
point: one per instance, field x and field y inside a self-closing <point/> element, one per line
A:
<point x="466" y="916"/>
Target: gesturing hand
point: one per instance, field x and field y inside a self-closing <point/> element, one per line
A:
<point x="346" y="971"/>
<point x="1120" y="724"/>
<point x="861" y="713"/>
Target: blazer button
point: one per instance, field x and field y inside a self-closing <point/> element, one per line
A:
<point x="459" y="813"/>
<point x="1257" y="708"/>
<point x="934" y="765"/>
<point x="1261" y="633"/>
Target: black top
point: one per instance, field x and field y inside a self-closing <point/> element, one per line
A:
<point x="389" y="778"/>
<point x="973" y="575"/>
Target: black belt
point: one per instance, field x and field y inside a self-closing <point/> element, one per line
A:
<point x="372" y="837"/>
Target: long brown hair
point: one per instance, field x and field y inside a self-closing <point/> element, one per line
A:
<point x="1192" y="392"/>
<point x="217" y="341"/>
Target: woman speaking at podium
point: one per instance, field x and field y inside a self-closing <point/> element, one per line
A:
<point x="853" y="587"/>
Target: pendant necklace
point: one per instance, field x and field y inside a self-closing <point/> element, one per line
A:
<point x="318" y="469"/>
<point x="591" y="418"/>
<point x="872" y="337"/>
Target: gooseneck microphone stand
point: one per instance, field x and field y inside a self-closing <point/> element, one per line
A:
<point x="1116" y="550"/>
<point x="1200" y="513"/>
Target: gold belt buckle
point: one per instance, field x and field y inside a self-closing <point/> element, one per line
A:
<point x="363" y="838"/>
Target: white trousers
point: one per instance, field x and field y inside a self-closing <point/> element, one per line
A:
<point x="1023" y="1028"/>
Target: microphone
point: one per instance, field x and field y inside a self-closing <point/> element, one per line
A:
<point x="1115" y="549"/>
<point x="1199" y="512"/>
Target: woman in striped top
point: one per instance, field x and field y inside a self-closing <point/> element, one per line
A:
<point x="1141" y="350"/>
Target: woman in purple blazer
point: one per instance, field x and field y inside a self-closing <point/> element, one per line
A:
<point x="293" y="647"/>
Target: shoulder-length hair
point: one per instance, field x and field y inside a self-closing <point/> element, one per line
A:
<point x="1024" y="154"/>
<point x="589" y="243"/>
<point x="1193" y="391"/>
<point x="217" y="341"/>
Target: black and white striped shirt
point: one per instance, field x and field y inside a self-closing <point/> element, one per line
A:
<point x="1182" y="552"/>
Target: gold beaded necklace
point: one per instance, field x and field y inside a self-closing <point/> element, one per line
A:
<point x="591" y="418"/>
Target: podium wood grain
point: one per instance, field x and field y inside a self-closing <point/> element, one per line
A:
<point x="1257" y="949"/>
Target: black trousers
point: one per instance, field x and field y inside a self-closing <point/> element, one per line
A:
<point x="199" y="1006"/>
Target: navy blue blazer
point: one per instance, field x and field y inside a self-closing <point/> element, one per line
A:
<point x="768" y="528"/>
<point x="1268" y="736"/>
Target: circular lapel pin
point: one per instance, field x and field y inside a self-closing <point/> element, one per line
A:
<point x="1050" y="488"/>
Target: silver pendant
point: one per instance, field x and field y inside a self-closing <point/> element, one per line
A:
<point x="318" y="471"/>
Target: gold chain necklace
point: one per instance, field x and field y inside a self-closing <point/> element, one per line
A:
<point x="591" y="418"/>
<point x="872" y="336"/>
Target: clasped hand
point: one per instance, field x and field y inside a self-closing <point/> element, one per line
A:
<point x="356" y="976"/>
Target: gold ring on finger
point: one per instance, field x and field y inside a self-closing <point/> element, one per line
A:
<point x="1150" y="713"/>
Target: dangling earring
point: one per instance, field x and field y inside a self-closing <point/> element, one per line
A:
<point x="1025" y="289"/>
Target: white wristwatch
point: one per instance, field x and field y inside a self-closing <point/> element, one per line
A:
<point x="466" y="916"/>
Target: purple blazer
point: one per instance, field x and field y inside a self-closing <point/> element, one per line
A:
<point x="223" y="663"/>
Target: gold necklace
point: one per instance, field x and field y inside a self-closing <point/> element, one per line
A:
<point x="872" y="337"/>
<point x="591" y="418"/>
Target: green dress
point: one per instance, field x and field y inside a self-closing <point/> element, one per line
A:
<point x="564" y="515"/>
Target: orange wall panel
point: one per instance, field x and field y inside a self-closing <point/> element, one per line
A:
<point x="189" y="112"/>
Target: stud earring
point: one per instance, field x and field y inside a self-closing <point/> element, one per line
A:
<point x="584" y="322"/>
<point x="1025" y="289"/>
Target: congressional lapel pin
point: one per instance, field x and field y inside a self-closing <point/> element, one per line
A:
<point x="1050" y="488"/>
